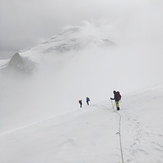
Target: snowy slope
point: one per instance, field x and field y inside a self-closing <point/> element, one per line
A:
<point x="36" y="84"/>
<point x="80" y="61"/>
<point x="89" y="135"/>
<point x="142" y="123"/>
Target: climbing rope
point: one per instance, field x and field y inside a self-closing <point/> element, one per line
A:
<point x="120" y="140"/>
<point x="119" y="133"/>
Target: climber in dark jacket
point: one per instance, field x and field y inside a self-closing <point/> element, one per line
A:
<point x="117" y="98"/>
<point x="80" y="102"/>
<point x="87" y="100"/>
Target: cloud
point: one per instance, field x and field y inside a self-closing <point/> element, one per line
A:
<point x="23" y="23"/>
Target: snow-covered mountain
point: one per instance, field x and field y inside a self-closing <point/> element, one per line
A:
<point x="40" y="119"/>
<point x="80" y="61"/>
<point x="74" y="38"/>
<point x="70" y="40"/>
<point x="47" y="73"/>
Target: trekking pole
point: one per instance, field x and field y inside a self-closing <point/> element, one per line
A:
<point x="112" y="105"/>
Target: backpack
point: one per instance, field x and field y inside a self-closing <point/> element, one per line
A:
<point x="87" y="99"/>
<point x="118" y="95"/>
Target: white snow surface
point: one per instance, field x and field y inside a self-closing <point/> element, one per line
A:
<point x="40" y="118"/>
<point x="89" y="135"/>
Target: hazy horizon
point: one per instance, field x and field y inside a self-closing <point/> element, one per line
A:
<point x="25" y="24"/>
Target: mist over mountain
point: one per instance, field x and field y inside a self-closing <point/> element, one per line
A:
<point x="87" y="60"/>
<point x="58" y="59"/>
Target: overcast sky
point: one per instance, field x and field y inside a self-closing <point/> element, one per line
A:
<point x="25" y="23"/>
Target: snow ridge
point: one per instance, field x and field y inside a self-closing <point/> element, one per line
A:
<point x="89" y="134"/>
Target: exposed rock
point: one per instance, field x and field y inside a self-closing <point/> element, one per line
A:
<point x="21" y="64"/>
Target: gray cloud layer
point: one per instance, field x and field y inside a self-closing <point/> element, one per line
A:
<point x="23" y="23"/>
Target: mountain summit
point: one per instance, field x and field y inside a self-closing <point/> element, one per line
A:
<point x="70" y="39"/>
<point x="75" y="38"/>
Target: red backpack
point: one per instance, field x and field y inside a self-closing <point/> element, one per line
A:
<point x="118" y="95"/>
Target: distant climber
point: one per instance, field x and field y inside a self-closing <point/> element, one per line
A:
<point x="87" y="100"/>
<point x="80" y="102"/>
<point x="117" y="98"/>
